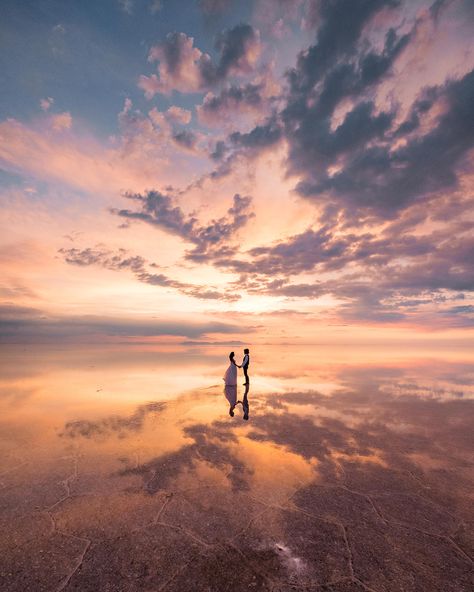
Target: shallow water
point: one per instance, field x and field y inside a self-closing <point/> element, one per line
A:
<point x="121" y="469"/>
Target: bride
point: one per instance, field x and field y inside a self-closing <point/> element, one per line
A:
<point x="230" y="376"/>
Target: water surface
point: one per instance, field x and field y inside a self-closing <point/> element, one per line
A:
<point x="122" y="469"/>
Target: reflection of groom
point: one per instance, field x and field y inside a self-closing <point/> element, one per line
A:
<point x="245" y="365"/>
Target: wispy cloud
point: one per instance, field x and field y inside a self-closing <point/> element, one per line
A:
<point x="23" y="325"/>
<point x="143" y="270"/>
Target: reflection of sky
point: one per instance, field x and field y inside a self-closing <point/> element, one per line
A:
<point x="107" y="444"/>
<point x="53" y="387"/>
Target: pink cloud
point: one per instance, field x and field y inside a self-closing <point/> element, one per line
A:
<point x="185" y="68"/>
<point x="62" y="121"/>
<point x="45" y="104"/>
<point x="183" y="74"/>
<point x="79" y="162"/>
<point x="150" y="151"/>
<point x="178" y="115"/>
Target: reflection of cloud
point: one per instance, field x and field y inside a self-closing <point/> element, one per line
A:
<point x="365" y="428"/>
<point x="113" y="424"/>
<point x="208" y="446"/>
<point x="16" y="395"/>
<point x="372" y="482"/>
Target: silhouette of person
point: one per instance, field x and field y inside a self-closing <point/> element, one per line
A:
<point x="245" y="402"/>
<point x="245" y="365"/>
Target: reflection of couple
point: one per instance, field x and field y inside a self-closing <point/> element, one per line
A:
<point x="230" y="391"/>
<point x="230" y="377"/>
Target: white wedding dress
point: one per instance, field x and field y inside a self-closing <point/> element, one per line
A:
<point x="230" y="376"/>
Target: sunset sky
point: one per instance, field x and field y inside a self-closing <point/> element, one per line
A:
<point x="260" y="171"/>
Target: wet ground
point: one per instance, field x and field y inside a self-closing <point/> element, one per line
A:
<point x="123" y="471"/>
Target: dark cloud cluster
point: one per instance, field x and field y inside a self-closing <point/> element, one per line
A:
<point x="235" y="47"/>
<point x="325" y="74"/>
<point x="244" y="146"/>
<point x="361" y="163"/>
<point x="341" y="25"/>
<point x="230" y="101"/>
<point x="159" y="210"/>
<point x="383" y="178"/>
<point x="366" y="162"/>
<point x="185" y="139"/>
<point x="300" y="253"/>
<point x="261" y="136"/>
<point x="381" y="277"/>
<point x="372" y="170"/>
<point x="368" y="167"/>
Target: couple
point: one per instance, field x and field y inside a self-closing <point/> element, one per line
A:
<point x="230" y="377"/>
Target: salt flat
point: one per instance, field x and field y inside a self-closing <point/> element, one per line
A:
<point x="121" y="469"/>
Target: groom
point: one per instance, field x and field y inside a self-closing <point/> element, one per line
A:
<point x="245" y="365"/>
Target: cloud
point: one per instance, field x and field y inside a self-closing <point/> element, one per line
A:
<point x="27" y="325"/>
<point x="468" y="308"/>
<point x="144" y="153"/>
<point x="302" y="252"/>
<point x="384" y="276"/>
<point x="155" y="6"/>
<point x="62" y="121"/>
<point x="381" y="156"/>
<point x="239" y="49"/>
<point x="229" y="102"/>
<point x="159" y="210"/>
<point x="145" y="136"/>
<point x="141" y="269"/>
<point x="384" y="178"/>
<point x="186" y="139"/>
<point x="214" y="6"/>
<point x="243" y="147"/>
<point x="368" y="160"/>
<point x="261" y="136"/>
<point x="341" y="25"/>
<point x="126" y="6"/>
<point x="178" y="115"/>
<point x="185" y="68"/>
<point x="81" y="162"/>
<point x="45" y="104"/>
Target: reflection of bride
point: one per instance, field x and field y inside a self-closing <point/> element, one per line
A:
<point x="230" y="376"/>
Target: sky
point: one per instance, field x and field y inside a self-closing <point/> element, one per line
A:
<point x="214" y="171"/>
